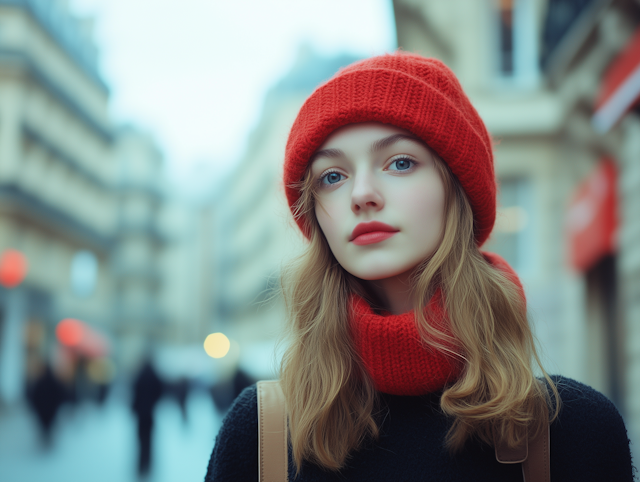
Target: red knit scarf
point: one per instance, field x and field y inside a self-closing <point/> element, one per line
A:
<point x="393" y="352"/>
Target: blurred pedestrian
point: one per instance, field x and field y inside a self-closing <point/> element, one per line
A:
<point x="147" y="391"/>
<point x="180" y="391"/>
<point x="45" y="395"/>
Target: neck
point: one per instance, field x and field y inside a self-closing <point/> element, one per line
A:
<point x="393" y="294"/>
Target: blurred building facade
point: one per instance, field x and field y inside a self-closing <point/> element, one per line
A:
<point x="569" y="174"/>
<point x="84" y="202"/>
<point x="187" y="271"/>
<point x="161" y="259"/>
<point x="140" y="240"/>
<point x="56" y="176"/>
<point x="256" y="234"/>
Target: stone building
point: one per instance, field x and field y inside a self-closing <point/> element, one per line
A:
<point x="556" y="82"/>
<point x="140" y="241"/>
<point x="84" y="203"/>
<point x="57" y="201"/>
<point x="256" y="235"/>
<point x="161" y="261"/>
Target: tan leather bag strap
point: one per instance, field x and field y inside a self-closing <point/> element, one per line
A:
<point x="533" y="455"/>
<point x="537" y="467"/>
<point x="273" y="461"/>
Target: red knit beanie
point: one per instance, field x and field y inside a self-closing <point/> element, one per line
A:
<point x="418" y="94"/>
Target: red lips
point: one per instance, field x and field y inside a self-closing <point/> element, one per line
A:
<point x="371" y="232"/>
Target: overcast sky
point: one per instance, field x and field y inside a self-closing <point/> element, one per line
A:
<point x="194" y="72"/>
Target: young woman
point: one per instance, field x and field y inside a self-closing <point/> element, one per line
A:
<point x="411" y="354"/>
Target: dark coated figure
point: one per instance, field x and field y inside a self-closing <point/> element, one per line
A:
<point x="46" y="394"/>
<point x="180" y="391"/>
<point x="147" y="390"/>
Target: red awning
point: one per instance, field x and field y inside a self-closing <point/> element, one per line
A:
<point x="620" y="88"/>
<point x="592" y="218"/>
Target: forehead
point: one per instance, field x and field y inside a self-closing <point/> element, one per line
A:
<point x="363" y="134"/>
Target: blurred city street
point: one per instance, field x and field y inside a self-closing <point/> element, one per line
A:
<point x="145" y="229"/>
<point x="98" y="443"/>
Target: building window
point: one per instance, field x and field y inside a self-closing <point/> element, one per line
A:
<point x="516" y="43"/>
<point x="560" y="18"/>
<point x="506" y="37"/>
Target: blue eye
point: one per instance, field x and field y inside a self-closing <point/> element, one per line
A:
<point x="331" y="178"/>
<point x="402" y="164"/>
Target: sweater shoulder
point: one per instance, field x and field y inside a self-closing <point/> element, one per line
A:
<point x="235" y="451"/>
<point x="589" y="432"/>
<point x="582" y="403"/>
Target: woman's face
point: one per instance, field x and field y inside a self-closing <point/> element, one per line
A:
<point x="380" y="199"/>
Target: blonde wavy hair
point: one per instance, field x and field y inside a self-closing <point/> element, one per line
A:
<point x="331" y="401"/>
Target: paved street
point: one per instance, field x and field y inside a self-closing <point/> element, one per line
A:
<point x="98" y="443"/>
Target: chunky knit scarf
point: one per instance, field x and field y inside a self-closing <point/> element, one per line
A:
<point x="393" y="352"/>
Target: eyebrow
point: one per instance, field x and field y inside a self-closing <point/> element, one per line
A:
<point x="377" y="146"/>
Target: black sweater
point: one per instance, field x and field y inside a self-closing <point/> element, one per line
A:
<point x="588" y="443"/>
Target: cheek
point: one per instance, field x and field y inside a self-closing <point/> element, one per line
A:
<point x="328" y="216"/>
<point x="424" y="209"/>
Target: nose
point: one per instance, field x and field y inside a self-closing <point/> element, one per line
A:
<point x="365" y="196"/>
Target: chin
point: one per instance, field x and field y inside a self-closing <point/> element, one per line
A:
<point x="377" y="274"/>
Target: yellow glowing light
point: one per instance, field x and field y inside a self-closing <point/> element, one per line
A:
<point x="217" y="345"/>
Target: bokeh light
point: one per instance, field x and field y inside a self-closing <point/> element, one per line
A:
<point x="70" y="332"/>
<point x="217" y="345"/>
<point x="13" y="268"/>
